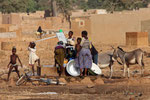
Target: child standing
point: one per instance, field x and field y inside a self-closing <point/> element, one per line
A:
<point x="70" y="52"/>
<point x="13" y="63"/>
<point x="32" y="56"/>
<point x="85" y="53"/>
<point x="77" y="49"/>
<point x="71" y="39"/>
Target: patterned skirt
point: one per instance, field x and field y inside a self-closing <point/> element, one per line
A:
<point x="85" y="58"/>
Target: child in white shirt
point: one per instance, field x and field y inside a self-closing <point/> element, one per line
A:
<point x="32" y="56"/>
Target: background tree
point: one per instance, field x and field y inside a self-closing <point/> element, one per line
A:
<point x="43" y="5"/>
<point x="113" y="5"/>
<point x="54" y="7"/>
<point x="92" y="4"/>
<point x="65" y="7"/>
<point x="8" y="6"/>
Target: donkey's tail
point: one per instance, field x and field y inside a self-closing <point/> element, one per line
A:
<point x="142" y="60"/>
<point x="146" y="54"/>
<point x="142" y="63"/>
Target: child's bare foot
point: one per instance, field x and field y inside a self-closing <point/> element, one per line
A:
<point x="7" y="80"/>
<point x="33" y="74"/>
<point x="81" y="74"/>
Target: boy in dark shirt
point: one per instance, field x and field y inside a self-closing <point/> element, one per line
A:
<point x="13" y="63"/>
<point x="40" y="31"/>
<point x="94" y="53"/>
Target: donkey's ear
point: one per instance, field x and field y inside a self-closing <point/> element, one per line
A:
<point x="118" y="47"/>
<point x="112" y="47"/>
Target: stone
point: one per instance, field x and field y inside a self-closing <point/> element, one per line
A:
<point x="62" y="80"/>
<point x="86" y="81"/>
<point x="72" y="79"/>
<point x="99" y="81"/>
<point x="90" y="85"/>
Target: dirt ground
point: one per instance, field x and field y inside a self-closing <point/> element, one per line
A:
<point x="114" y="89"/>
<point x="88" y="88"/>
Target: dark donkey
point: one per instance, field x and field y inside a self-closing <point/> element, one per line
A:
<point x="129" y="58"/>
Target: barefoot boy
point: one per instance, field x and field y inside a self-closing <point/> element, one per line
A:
<point x="13" y="63"/>
<point x="32" y="56"/>
<point x="77" y="49"/>
<point x="78" y="46"/>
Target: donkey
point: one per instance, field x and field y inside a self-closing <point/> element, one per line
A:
<point x="105" y="60"/>
<point x="129" y="58"/>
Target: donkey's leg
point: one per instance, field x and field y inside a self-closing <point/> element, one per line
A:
<point x="128" y="72"/>
<point x="111" y="70"/>
<point x="140" y="62"/>
<point x="125" y="66"/>
<point x="142" y="70"/>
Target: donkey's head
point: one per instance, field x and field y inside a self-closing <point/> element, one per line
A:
<point x="116" y="52"/>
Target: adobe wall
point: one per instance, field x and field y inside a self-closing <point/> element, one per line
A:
<point x="89" y="12"/>
<point x="6" y="19"/>
<point x="37" y="14"/>
<point x="11" y="35"/>
<point x="15" y="19"/>
<point x="146" y="28"/>
<point x="4" y="27"/>
<point x="31" y="24"/>
<point x="12" y="18"/>
<point x="79" y="24"/>
<point x="8" y="27"/>
<point x="137" y="39"/>
<point x="111" y="28"/>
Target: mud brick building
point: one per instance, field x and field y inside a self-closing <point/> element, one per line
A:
<point x="137" y="39"/>
<point x="112" y="28"/>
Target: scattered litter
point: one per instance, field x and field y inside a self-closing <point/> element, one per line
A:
<point x="135" y="72"/>
<point x="45" y="93"/>
<point x="139" y="95"/>
<point x="128" y="93"/>
<point x="147" y="77"/>
<point x="131" y="93"/>
<point x="48" y="65"/>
